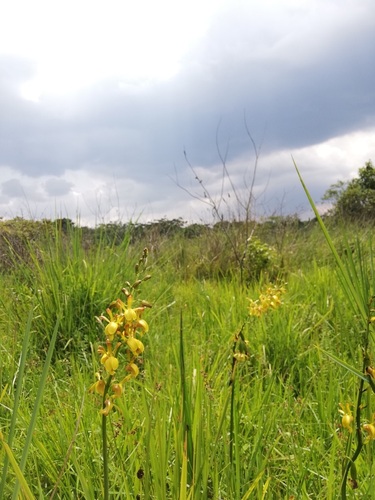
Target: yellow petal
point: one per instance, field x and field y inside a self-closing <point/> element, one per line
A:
<point x="104" y="358"/>
<point x="133" y="369"/>
<point x="111" y="328"/>
<point x="130" y="315"/>
<point x="111" y="365"/>
<point x="107" y="407"/>
<point x="347" y="421"/>
<point x="143" y="324"/>
<point x="240" y="356"/>
<point x="117" y="390"/>
<point x="135" y="345"/>
<point x="370" y="429"/>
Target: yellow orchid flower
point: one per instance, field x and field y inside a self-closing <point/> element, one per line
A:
<point x="347" y="417"/>
<point x="135" y="346"/>
<point x="370" y="429"/>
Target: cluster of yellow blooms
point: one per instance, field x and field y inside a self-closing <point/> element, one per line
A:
<point x="269" y="298"/>
<point x="348" y="419"/>
<point x="124" y="323"/>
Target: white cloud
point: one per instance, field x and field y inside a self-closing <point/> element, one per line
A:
<point x="76" y="43"/>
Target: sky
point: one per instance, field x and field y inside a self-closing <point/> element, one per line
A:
<point x="116" y="110"/>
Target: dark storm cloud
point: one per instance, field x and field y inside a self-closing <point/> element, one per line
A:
<point x="296" y="101"/>
<point x="295" y="86"/>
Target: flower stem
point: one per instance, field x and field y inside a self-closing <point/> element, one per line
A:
<point x="350" y="461"/>
<point x="105" y="443"/>
<point x="105" y="457"/>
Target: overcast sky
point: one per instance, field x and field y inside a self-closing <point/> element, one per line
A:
<point x="99" y="100"/>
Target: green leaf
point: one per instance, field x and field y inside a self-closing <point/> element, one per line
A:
<point x="347" y="283"/>
<point x="345" y="365"/>
<point x="20" y="477"/>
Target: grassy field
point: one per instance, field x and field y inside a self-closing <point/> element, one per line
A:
<point x="227" y="405"/>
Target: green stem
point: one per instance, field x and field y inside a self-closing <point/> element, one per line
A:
<point x="17" y="397"/>
<point x="105" y="442"/>
<point x="105" y="457"/>
<point x="231" y="421"/>
<point x="238" y="337"/>
<point x="359" y="447"/>
<point x="186" y="411"/>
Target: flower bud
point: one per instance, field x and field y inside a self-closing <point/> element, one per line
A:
<point x="347" y="421"/>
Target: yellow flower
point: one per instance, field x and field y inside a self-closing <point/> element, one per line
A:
<point x="347" y="417"/>
<point x="135" y="346"/>
<point x="347" y="421"/>
<point x="133" y="370"/>
<point x="240" y="356"/>
<point x="370" y="429"/>
<point x="130" y="315"/>
<point x="255" y="309"/>
<point x="110" y="363"/>
<point x="108" y="405"/>
<point x="117" y="390"/>
<point x="122" y="325"/>
<point x="111" y="329"/>
<point x="269" y="298"/>
<point x="143" y="324"/>
<point x="99" y="385"/>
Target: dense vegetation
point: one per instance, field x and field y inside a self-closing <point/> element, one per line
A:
<point x="355" y="199"/>
<point x="196" y="423"/>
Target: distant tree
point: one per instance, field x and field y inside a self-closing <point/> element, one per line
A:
<point x="354" y="199"/>
<point x="64" y="224"/>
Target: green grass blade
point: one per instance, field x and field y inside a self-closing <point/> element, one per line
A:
<point x="345" y="365"/>
<point x="347" y="282"/>
<point x="20" y="477"/>
<point x="38" y="401"/>
<point x="21" y="370"/>
<point x="184" y="475"/>
<point x="186" y="410"/>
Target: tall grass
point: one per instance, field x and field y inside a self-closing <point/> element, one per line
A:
<point x="178" y="432"/>
<point x="357" y="279"/>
